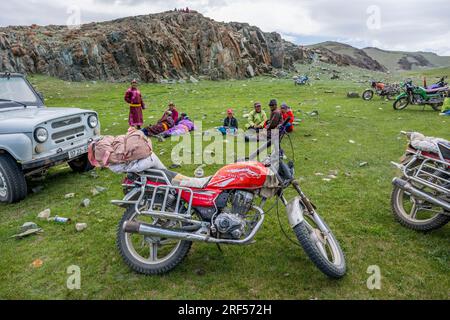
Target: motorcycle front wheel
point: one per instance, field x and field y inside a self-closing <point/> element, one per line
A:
<point x="401" y="103"/>
<point x="321" y="246"/>
<point x="367" y="95"/>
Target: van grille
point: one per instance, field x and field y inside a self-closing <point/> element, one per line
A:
<point x="69" y="134"/>
<point x="67" y="122"/>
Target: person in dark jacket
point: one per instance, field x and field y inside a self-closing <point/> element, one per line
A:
<point x="230" y="124"/>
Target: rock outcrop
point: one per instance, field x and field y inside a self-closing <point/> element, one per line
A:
<point x="170" y="45"/>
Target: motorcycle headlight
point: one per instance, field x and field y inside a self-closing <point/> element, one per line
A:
<point x="41" y="135"/>
<point x="93" y="121"/>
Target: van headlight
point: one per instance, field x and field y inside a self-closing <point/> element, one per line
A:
<point x="92" y="121"/>
<point x="41" y="135"/>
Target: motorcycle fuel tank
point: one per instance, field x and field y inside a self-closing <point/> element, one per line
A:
<point x="241" y="175"/>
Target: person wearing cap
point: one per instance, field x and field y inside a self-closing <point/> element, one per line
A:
<point x="230" y="124"/>
<point x="286" y="113"/>
<point x="275" y="116"/>
<point x="256" y="118"/>
<point x="134" y="98"/>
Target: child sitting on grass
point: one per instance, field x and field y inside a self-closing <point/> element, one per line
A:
<point x="230" y="124"/>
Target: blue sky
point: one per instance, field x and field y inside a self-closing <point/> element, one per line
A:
<point x="409" y="25"/>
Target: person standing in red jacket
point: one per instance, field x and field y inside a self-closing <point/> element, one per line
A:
<point x="286" y="112"/>
<point x="134" y="98"/>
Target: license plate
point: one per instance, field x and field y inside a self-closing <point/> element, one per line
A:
<point x="77" y="152"/>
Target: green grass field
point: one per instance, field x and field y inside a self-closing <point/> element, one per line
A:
<point x="356" y="205"/>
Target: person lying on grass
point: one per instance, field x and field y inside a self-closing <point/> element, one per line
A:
<point x="182" y="127"/>
<point x="230" y="124"/>
<point x="256" y="118"/>
<point x="163" y="124"/>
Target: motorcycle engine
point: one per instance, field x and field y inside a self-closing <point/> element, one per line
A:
<point x="232" y="225"/>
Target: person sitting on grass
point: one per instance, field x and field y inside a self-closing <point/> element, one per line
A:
<point x="446" y="107"/>
<point x="163" y="124"/>
<point x="173" y="109"/>
<point x="230" y="124"/>
<point x="256" y="118"/>
<point x="286" y="112"/>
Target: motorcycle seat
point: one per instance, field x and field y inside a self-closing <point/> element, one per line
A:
<point x="180" y="180"/>
<point x="190" y="182"/>
<point x="436" y="90"/>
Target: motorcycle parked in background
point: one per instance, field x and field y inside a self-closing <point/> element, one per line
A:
<point x="440" y="84"/>
<point x="166" y="212"/>
<point x="421" y="197"/>
<point x="415" y="95"/>
<point x="301" y="80"/>
<point x="383" y="90"/>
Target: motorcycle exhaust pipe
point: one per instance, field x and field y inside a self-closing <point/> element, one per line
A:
<point x="406" y="186"/>
<point x="152" y="231"/>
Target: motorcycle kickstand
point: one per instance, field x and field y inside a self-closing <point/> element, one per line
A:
<point x="220" y="248"/>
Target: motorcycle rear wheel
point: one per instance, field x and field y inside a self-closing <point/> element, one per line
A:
<point x="410" y="220"/>
<point x="324" y="250"/>
<point x="153" y="265"/>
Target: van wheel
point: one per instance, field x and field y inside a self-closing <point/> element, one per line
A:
<point x="81" y="164"/>
<point x="13" y="186"/>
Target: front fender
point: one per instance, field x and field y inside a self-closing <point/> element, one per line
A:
<point x="18" y="145"/>
<point x="402" y="95"/>
<point x="294" y="212"/>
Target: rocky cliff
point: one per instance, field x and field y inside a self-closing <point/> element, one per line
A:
<point x="170" y="45"/>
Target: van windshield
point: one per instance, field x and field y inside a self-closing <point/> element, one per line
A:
<point x="16" y="89"/>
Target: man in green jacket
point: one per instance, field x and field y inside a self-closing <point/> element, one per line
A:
<point x="257" y="118"/>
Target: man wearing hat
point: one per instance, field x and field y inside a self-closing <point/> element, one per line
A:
<point x="230" y="123"/>
<point x="256" y="118"/>
<point x="134" y="98"/>
<point x="275" y="116"/>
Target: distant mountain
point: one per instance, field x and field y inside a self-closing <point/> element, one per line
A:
<point x="175" y="45"/>
<point x="399" y="60"/>
<point x="344" y="54"/>
<point x="382" y="60"/>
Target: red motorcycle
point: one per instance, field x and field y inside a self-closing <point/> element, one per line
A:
<point x="166" y="212"/>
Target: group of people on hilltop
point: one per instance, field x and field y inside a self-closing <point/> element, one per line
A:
<point x="172" y="123"/>
<point x="187" y="10"/>
<point x="258" y="120"/>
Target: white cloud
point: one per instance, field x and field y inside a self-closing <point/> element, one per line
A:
<point x="405" y="24"/>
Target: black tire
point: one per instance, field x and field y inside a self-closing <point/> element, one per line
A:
<point x="367" y="95"/>
<point x="321" y="262"/>
<point x="391" y="96"/>
<point x="435" y="223"/>
<point x="140" y="267"/>
<point x="81" y="164"/>
<point x="437" y="106"/>
<point x="401" y="103"/>
<point x="13" y="186"/>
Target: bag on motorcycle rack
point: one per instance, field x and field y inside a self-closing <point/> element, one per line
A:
<point x="121" y="149"/>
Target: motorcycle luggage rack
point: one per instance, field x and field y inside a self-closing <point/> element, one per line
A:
<point x="423" y="176"/>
